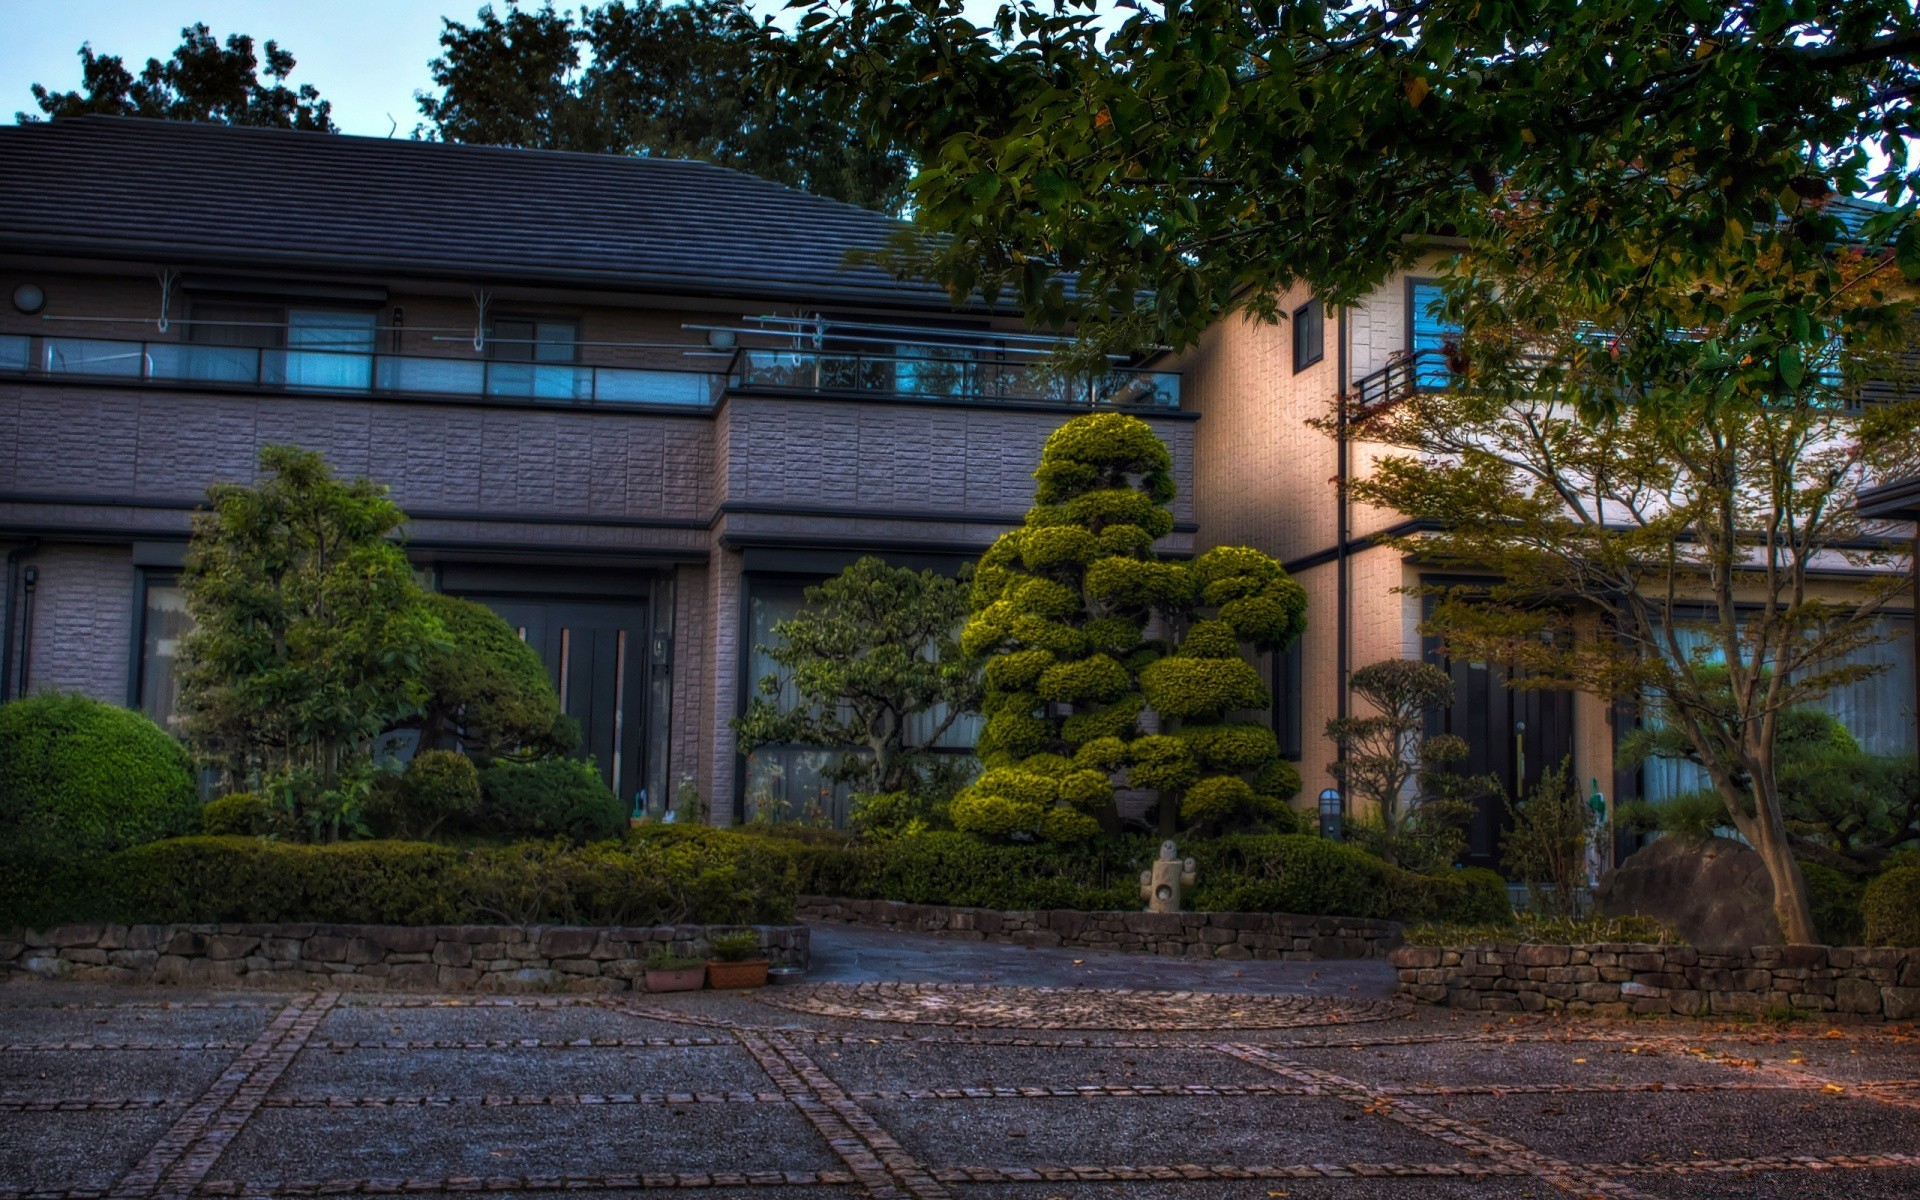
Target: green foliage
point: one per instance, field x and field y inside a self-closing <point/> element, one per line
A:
<point x="1546" y="842"/>
<point x="559" y="797"/>
<point x="1530" y="928"/>
<point x="438" y="786"/>
<point x="668" y="875"/>
<point x="1390" y="750"/>
<point x="203" y="81"/>
<point x="737" y="946"/>
<point x="662" y="959"/>
<point x="1890" y="908"/>
<point x="883" y="814"/>
<point x="872" y="650"/>
<point x="671" y="80"/>
<point x="309" y="637"/>
<point x="1835" y="900"/>
<point x="1059" y="607"/>
<point x="487" y="691"/>
<point x="243" y="814"/>
<point x="79" y="778"/>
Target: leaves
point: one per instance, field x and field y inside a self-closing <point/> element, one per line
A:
<point x="203" y="81"/>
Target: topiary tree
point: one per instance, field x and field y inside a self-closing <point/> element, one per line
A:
<point x="80" y="779"/>
<point x="488" y="693"/>
<point x="1107" y="666"/>
<point x="1417" y="808"/>
<point x="309" y="635"/>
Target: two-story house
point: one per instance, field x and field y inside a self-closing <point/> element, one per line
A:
<point x="634" y="404"/>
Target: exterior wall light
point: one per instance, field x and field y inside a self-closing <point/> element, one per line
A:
<point x="720" y="339"/>
<point x="1332" y="812"/>
<point x="29" y="298"/>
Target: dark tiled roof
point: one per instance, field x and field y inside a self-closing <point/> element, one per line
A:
<point x="192" y="194"/>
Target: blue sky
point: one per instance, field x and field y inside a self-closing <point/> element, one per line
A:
<point x="367" y="56"/>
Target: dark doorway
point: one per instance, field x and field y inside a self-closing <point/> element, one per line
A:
<point x="596" y="655"/>
<point x="1512" y="734"/>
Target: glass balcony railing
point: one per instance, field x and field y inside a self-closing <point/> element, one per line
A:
<point x="951" y="375"/>
<point x="940" y="374"/>
<point x="345" y="372"/>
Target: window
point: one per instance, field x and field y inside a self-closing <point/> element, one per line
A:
<point x="1428" y="330"/>
<point x="534" y="357"/>
<point x="1287" y="701"/>
<point x="1309" y="335"/>
<point x="163" y="622"/>
<point x="789" y="782"/>
<point x="329" y="349"/>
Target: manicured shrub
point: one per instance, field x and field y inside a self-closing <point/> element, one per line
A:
<point x="738" y="946"/>
<point x="437" y="786"/>
<point x="1294" y="873"/>
<point x="79" y="778"/>
<point x="560" y="797"/>
<point x="486" y="689"/>
<point x="1472" y="896"/>
<point x="1890" y="908"/>
<point x="694" y="875"/>
<point x="1835" y="900"/>
<point x="243" y="814"/>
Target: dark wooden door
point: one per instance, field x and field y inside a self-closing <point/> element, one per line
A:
<point x="1512" y="735"/>
<point x="596" y="655"/>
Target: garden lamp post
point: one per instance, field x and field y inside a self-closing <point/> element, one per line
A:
<point x="1331" y="812"/>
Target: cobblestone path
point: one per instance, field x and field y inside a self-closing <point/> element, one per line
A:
<point x="929" y="1092"/>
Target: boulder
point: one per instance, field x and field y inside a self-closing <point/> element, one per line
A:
<point x="1715" y="891"/>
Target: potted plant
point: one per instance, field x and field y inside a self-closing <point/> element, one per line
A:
<point x="670" y="972"/>
<point x="737" y="961"/>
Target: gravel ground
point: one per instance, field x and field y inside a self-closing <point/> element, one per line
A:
<point x="622" y="1096"/>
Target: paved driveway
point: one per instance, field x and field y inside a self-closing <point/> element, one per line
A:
<point x="928" y="1090"/>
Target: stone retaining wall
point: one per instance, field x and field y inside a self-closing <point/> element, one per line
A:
<point x="1617" y="979"/>
<point x="385" y="957"/>
<point x="1186" y="935"/>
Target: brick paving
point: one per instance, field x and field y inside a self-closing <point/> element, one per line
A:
<point x="930" y="1092"/>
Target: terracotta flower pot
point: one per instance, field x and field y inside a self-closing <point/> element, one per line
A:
<point x="679" y="979"/>
<point x="737" y="974"/>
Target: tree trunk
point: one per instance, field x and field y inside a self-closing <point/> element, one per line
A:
<point x="1790" y="904"/>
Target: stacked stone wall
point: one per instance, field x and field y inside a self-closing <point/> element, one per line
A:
<point x="369" y="957"/>
<point x="1621" y="979"/>
<point x="1223" y="935"/>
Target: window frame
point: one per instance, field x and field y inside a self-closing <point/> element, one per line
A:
<point x="532" y="345"/>
<point x="1318" y="310"/>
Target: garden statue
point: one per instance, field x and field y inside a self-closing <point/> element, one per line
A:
<point x="1160" y="886"/>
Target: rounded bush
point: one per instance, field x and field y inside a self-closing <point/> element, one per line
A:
<point x="1052" y="547"/>
<point x="438" y="785"/>
<point x="1013" y="731"/>
<point x="79" y="778"/>
<point x="1210" y="639"/>
<point x="1065" y="826"/>
<point x="490" y="685"/>
<point x="1087" y="791"/>
<point x="1046" y="598"/>
<point x="1201" y="687"/>
<point x="1138" y="583"/>
<point x="1116" y="720"/>
<point x="1216" y="800"/>
<point x="1835" y="900"/>
<point x="1279" y="779"/>
<point x="1021" y="785"/>
<point x="1113" y="635"/>
<point x="1044" y="634"/>
<point x="1102" y="754"/>
<point x="560" y="797"/>
<point x="1104" y="507"/>
<point x="1094" y="679"/>
<point x="994" y="817"/>
<point x="1238" y="747"/>
<point x="1271" y="620"/>
<point x="243" y="814"/>
<point x="1890" y="908"/>
<point x="1163" y="762"/>
<point x="1473" y="896"/>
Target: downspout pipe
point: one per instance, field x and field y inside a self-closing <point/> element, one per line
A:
<point x="1343" y="567"/>
<point x="26" y="550"/>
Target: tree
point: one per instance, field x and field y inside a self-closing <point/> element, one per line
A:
<point x="1386" y="755"/>
<point x="1203" y="156"/>
<point x="687" y="80"/>
<point x="1087" y="630"/>
<point x="1659" y="482"/>
<point x="203" y="81"/>
<point x="1546" y="842"/>
<point x="870" y="667"/>
<point x="309" y="637"/>
<point x="487" y="692"/>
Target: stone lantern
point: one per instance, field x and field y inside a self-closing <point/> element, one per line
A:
<point x="1161" y="885"/>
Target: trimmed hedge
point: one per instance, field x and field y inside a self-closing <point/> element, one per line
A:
<point x="80" y="778"/>
<point x="670" y="876"/>
<point x="1891" y="908"/>
<point x="555" y="797"/>
<point x="1293" y="873"/>
<point x="1835" y="900"/>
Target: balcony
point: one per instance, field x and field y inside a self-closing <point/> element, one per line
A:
<point x="343" y="373"/>
<point x="945" y="374"/>
<point x="950" y="374"/>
